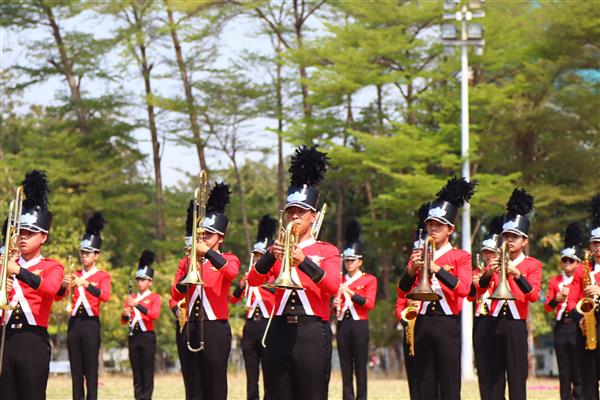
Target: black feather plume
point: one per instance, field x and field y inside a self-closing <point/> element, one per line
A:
<point x="4" y="226"/>
<point x="495" y="226"/>
<point x="308" y="166"/>
<point x="520" y="203"/>
<point x="352" y="231"/>
<point x="573" y="236"/>
<point x="35" y="186"/>
<point x="596" y="209"/>
<point x="218" y="198"/>
<point x="457" y="191"/>
<point x="266" y="228"/>
<point x="189" y="220"/>
<point x="95" y="224"/>
<point x="423" y="212"/>
<point x="146" y="259"/>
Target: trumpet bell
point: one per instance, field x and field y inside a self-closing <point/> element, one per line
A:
<point x="285" y="281"/>
<point x="193" y="278"/>
<point x="502" y="292"/>
<point x="423" y="294"/>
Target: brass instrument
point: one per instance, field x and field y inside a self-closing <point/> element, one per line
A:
<point x="316" y="226"/>
<point x="69" y="307"/>
<point x="423" y="291"/>
<point x="182" y="314"/>
<point x="409" y="315"/>
<point x="503" y="292"/>
<point x="129" y="294"/>
<point x="481" y="308"/>
<point x="587" y="307"/>
<point x="13" y="226"/>
<point x="194" y="275"/>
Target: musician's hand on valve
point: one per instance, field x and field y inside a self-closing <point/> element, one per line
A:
<point x="416" y="259"/>
<point x="9" y="284"/>
<point x="277" y="250"/>
<point x="494" y="265"/>
<point x="592" y="290"/>
<point x="131" y="302"/>
<point x="514" y="271"/>
<point x="562" y="295"/>
<point x="79" y="281"/>
<point x="434" y="268"/>
<point x="298" y="256"/>
<point x="201" y="248"/>
<point x="13" y="268"/>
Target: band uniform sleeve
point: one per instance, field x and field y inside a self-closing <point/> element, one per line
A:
<point x="178" y="290"/>
<point x="61" y="293"/>
<point x="310" y="268"/>
<point x="358" y="299"/>
<point x="174" y="310"/>
<point x="216" y="259"/>
<point x="154" y="309"/>
<point x="124" y="318"/>
<point x="265" y="263"/>
<point x="94" y="290"/>
<point x="29" y="278"/>
<point x="401" y="303"/>
<point x="534" y="279"/>
<point x="472" y="293"/>
<point x="51" y="280"/>
<point x="485" y="280"/>
<point x="551" y="302"/>
<point x="231" y="268"/>
<point x="523" y="284"/>
<point x="237" y="293"/>
<point x="142" y="309"/>
<point x="464" y="274"/>
<point x="447" y="279"/>
<point x="105" y="287"/>
<point x="370" y="295"/>
<point x="330" y="282"/>
<point x="406" y="281"/>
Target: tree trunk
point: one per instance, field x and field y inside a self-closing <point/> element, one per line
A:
<point x="382" y="257"/>
<point x="67" y="69"/>
<point x="146" y="70"/>
<point x="279" y="93"/>
<point x="380" y="108"/>
<point x="187" y="87"/>
<point x="298" y="25"/>
<point x="240" y="185"/>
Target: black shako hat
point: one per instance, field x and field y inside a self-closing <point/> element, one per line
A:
<point x="189" y="221"/>
<point x="449" y="199"/>
<point x="573" y="241"/>
<point x="307" y="171"/>
<point x="145" y="270"/>
<point x="352" y="248"/>
<point x="490" y="240"/>
<point x="421" y="231"/>
<point x="91" y="240"/>
<point x="518" y="208"/>
<point x="216" y="221"/>
<point x="264" y="236"/>
<point x="35" y="216"/>
<point x="595" y="233"/>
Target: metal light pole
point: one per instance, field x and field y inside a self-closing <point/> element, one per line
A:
<point x="470" y="35"/>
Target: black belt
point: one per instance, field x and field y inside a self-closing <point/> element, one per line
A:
<point x="256" y="317"/>
<point x="24" y="327"/>
<point x="298" y="319"/>
<point x="85" y="317"/>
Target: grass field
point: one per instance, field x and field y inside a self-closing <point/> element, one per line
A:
<point x="168" y="387"/>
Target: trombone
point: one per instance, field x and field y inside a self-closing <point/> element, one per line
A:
<point x="503" y="292"/>
<point x="423" y="291"/>
<point x="13" y="226"/>
<point x="194" y="275"/>
<point x="69" y="307"/>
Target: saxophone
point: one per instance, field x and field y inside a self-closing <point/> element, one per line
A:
<point x="587" y="307"/>
<point x="409" y="315"/>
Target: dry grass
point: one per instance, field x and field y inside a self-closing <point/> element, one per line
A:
<point x="169" y="387"/>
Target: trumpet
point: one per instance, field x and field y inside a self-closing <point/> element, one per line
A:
<point x="316" y="226"/>
<point x="423" y="291"/>
<point x="503" y="292"/>
<point x="13" y="226"/>
<point x="481" y="308"/>
<point x="194" y="275"/>
<point x="587" y="307"/>
<point x="69" y="307"/>
<point x="409" y="315"/>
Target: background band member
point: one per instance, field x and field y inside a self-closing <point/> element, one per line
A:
<point x="259" y="304"/>
<point x="590" y="359"/>
<point x="489" y="249"/>
<point x="563" y="301"/>
<point x="355" y="298"/>
<point x="437" y="329"/>
<point x="141" y="309"/>
<point x="90" y="287"/>
<point x="297" y="359"/>
<point x="207" y="306"/>
<point x="402" y="303"/>
<point x="507" y="337"/>
<point x="179" y="307"/>
<point x="32" y="290"/>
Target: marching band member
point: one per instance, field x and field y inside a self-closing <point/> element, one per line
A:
<point x="140" y="311"/>
<point x="207" y="305"/>
<point x="355" y="298"/>
<point x="437" y="330"/>
<point x="91" y="287"/>
<point x="563" y="301"/>
<point x="507" y="334"/>
<point x="26" y="361"/>
<point x="259" y="304"/>
<point x="590" y="359"/>
<point x="489" y="249"/>
<point x="297" y="359"/>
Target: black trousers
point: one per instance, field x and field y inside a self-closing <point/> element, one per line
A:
<point x="181" y="348"/>
<point x="507" y="349"/>
<point x="26" y="364"/>
<point x="142" y="347"/>
<point x="569" y="371"/>
<point x="590" y="363"/>
<point x="208" y="368"/>
<point x="437" y="358"/>
<point x="480" y="331"/>
<point x="353" y="349"/>
<point x="297" y="360"/>
<point x="83" y="343"/>
<point x="252" y="350"/>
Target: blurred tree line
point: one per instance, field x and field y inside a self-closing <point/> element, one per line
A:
<point x="369" y="82"/>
